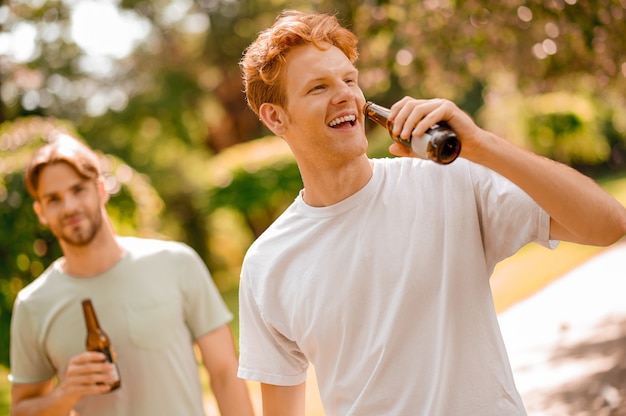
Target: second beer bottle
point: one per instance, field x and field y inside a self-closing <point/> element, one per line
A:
<point x="98" y="340"/>
<point x="439" y="144"/>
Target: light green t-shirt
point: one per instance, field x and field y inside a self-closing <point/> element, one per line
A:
<point x="153" y="304"/>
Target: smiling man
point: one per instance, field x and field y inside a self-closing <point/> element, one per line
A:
<point x="155" y="299"/>
<point x="378" y="273"/>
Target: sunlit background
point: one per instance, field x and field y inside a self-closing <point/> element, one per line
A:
<point x="155" y="86"/>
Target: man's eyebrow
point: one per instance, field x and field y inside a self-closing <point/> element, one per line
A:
<point x="48" y="195"/>
<point x="75" y="185"/>
<point x="322" y="78"/>
<point x="316" y="79"/>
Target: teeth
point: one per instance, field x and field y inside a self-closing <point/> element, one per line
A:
<point x="342" y="120"/>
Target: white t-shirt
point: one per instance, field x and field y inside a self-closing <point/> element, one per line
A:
<point x="387" y="293"/>
<point x="152" y="304"/>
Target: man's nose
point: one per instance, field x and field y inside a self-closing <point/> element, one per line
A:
<point x="344" y="93"/>
<point x="70" y="202"/>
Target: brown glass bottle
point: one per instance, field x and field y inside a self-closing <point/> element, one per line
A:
<point x="98" y="340"/>
<point x="438" y="144"/>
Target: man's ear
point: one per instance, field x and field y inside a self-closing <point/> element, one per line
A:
<point x="274" y="117"/>
<point x="39" y="211"/>
<point x="104" y="195"/>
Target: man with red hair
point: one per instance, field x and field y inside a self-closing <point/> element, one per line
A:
<point x="378" y="273"/>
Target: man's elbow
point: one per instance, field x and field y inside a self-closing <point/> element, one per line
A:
<point x="614" y="233"/>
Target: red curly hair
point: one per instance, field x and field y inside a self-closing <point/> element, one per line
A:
<point x="264" y="59"/>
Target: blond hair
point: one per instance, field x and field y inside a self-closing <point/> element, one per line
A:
<point x="264" y="59"/>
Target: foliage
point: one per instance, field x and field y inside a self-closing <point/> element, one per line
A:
<point x="566" y="128"/>
<point x="171" y="90"/>
<point x="176" y="77"/>
<point x="258" y="178"/>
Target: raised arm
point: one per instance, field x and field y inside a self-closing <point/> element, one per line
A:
<point x="580" y="211"/>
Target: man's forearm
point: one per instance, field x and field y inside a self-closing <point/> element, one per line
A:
<point x="52" y="404"/>
<point x="232" y="397"/>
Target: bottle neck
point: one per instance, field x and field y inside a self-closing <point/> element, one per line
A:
<point x="377" y="113"/>
<point x="90" y="315"/>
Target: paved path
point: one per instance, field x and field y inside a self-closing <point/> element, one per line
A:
<point x="567" y="343"/>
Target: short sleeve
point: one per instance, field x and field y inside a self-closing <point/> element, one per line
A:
<point x="204" y="307"/>
<point x="29" y="362"/>
<point x="266" y="355"/>
<point x="509" y="217"/>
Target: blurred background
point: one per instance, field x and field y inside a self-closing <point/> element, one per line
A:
<point x="155" y="86"/>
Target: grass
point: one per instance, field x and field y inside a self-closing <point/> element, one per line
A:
<point x="514" y="279"/>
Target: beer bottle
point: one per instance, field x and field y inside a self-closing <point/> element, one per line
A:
<point x="438" y="144"/>
<point x="98" y="340"/>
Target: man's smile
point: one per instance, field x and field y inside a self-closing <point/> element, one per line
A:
<point x="341" y="120"/>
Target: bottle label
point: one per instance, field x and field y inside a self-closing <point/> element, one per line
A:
<point x="419" y="145"/>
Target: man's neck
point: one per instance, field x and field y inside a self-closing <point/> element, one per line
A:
<point x="102" y="253"/>
<point x="325" y="187"/>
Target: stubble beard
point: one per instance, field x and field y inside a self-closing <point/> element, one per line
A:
<point x="81" y="236"/>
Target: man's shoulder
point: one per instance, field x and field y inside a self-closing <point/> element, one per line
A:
<point x="151" y="246"/>
<point x="45" y="290"/>
<point x="278" y="237"/>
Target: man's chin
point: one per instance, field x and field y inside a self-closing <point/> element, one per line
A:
<point x="78" y="239"/>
